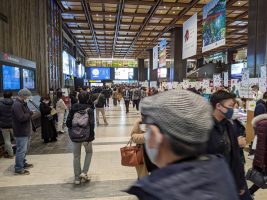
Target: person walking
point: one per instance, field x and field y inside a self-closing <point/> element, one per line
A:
<point x="86" y="112"/>
<point x="223" y="138"/>
<point x="60" y="108"/>
<point x="99" y="101"/>
<point x="136" y="97"/>
<point x="6" y="122"/>
<point x="127" y="98"/>
<point x="115" y="97"/>
<point x="21" y="123"/>
<point x="175" y="140"/>
<point x="49" y="132"/>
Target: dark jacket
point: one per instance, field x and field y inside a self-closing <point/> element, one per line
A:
<point x="101" y="102"/>
<point x="77" y="107"/>
<point x="219" y="144"/>
<point x="260" y="108"/>
<point x="21" y="116"/>
<point x="259" y="124"/>
<point x="208" y="179"/>
<point x="6" y="113"/>
<point x="47" y="122"/>
<point x="125" y="97"/>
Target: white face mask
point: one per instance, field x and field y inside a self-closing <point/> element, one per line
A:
<point x="236" y="114"/>
<point x="151" y="152"/>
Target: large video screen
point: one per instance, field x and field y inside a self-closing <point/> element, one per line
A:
<point x="237" y="70"/>
<point x="100" y="73"/>
<point x="66" y="63"/>
<point x="28" y="79"/>
<point x="124" y="73"/>
<point x="11" y="77"/>
<point x="73" y="69"/>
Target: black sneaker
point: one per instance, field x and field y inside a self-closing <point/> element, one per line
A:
<point x="23" y="172"/>
<point x="27" y="166"/>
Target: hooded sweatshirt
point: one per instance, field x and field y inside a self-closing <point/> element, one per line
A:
<point x="6" y="113"/>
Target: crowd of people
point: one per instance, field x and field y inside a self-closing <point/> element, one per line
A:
<point x="193" y="148"/>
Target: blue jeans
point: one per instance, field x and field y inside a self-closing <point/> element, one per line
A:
<point x="22" y="145"/>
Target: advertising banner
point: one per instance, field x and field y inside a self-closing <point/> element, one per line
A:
<point x="155" y="57"/>
<point x="214" y="25"/>
<point x="216" y="80"/>
<point x="162" y="53"/>
<point x="245" y="78"/>
<point x="225" y="79"/>
<point x="190" y="37"/>
<point x="262" y="81"/>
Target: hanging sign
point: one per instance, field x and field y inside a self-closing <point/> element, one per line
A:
<point x="216" y="80"/>
<point x="162" y="53"/>
<point x="155" y="57"/>
<point x="225" y="79"/>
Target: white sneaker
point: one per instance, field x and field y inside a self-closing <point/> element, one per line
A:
<point x="77" y="182"/>
<point x="251" y="157"/>
<point x="84" y="177"/>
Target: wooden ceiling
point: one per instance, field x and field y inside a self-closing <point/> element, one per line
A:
<point x="128" y="28"/>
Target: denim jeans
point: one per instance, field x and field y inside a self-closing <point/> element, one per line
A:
<point x="77" y="158"/>
<point x="22" y="146"/>
<point x="6" y="135"/>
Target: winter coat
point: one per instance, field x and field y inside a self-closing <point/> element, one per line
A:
<point x="201" y="179"/>
<point x="219" y="144"/>
<point x="260" y="108"/>
<point x="6" y="113"/>
<point x="21" y="116"/>
<point x="101" y="101"/>
<point x="125" y="97"/>
<point x="115" y="95"/>
<point x="259" y="124"/>
<point x="78" y="107"/>
<point x="47" y="122"/>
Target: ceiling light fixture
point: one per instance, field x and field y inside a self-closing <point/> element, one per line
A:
<point x="239" y="3"/>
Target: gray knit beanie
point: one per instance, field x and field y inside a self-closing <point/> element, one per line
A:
<point x="179" y="113"/>
<point x="24" y="93"/>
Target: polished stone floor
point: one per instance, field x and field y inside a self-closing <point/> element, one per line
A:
<point x="52" y="175"/>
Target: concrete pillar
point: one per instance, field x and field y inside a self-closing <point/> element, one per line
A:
<point x="141" y="70"/>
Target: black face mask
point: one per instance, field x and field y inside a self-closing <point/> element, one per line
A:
<point x="229" y="113"/>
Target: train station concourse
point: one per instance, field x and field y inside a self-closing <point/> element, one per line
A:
<point x="133" y="99"/>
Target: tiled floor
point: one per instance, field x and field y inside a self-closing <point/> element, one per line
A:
<point x="52" y="175"/>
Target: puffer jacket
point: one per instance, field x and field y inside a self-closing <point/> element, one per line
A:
<point x="6" y="113"/>
<point x="259" y="124"/>
<point x="201" y="179"/>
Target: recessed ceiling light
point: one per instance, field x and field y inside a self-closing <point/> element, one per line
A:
<point x="97" y="15"/>
<point x="239" y="3"/>
<point x="173" y="12"/>
<point x="178" y="8"/>
<point x="164" y="7"/>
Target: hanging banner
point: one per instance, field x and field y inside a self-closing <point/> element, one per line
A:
<point x="245" y="78"/>
<point x="225" y="79"/>
<point x="206" y="83"/>
<point x="190" y="37"/>
<point x="162" y="53"/>
<point x="216" y="80"/>
<point x="155" y="57"/>
<point x="262" y="81"/>
<point x="214" y="25"/>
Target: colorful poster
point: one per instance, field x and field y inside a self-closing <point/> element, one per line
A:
<point x="162" y="53"/>
<point x="225" y="79"/>
<point x="216" y="80"/>
<point x="262" y="81"/>
<point x="214" y="25"/>
<point x="190" y="37"/>
<point x="155" y="57"/>
<point x="206" y="83"/>
<point x="245" y="78"/>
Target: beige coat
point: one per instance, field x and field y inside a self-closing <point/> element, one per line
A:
<point x="138" y="138"/>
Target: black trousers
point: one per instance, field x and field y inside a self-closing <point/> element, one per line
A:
<point x="136" y="103"/>
<point x="127" y="103"/>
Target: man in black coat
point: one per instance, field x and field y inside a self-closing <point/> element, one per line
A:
<point x="223" y="138"/>
<point x="6" y="122"/>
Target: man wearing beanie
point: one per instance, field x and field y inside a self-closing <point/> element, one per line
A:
<point x="178" y="123"/>
<point x="21" y="116"/>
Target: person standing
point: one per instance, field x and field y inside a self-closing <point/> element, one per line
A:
<point x="127" y="98"/>
<point x="115" y="97"/>
<point x="82" y="107"/>
<point x="223" y="138"/>
<point x="175" y="140"/>
<point x="257" y="94"/>
<point x="49" y="132"/>
<point x="60" y="108"/>
<point x="6" y="122"/>
<point x="21" y="123"/>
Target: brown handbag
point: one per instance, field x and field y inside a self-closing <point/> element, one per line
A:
<point x="132" y="156"/>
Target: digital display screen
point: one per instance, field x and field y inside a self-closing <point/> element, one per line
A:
<point x="66" y="63"/>
<point x="237" y="69"/>
<point x="124" y="73"/>
<point x="28" y="79"/>
<point x="73" y="69"/>
<point x="100" y="73"/>
<point x="162" y="72"/>
<point x="11" y="77"/>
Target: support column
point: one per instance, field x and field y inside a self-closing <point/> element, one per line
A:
<point x="178" y="65"/>
<point x="141" y="70"/>
<point x="257" y="36"/>
<point x="153" y="74"/>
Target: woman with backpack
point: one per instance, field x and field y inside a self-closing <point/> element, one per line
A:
<point x="80" y="122"/>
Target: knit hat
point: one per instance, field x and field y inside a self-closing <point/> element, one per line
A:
<point x="24" y="93"/>
<point x="179" y="113"/>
